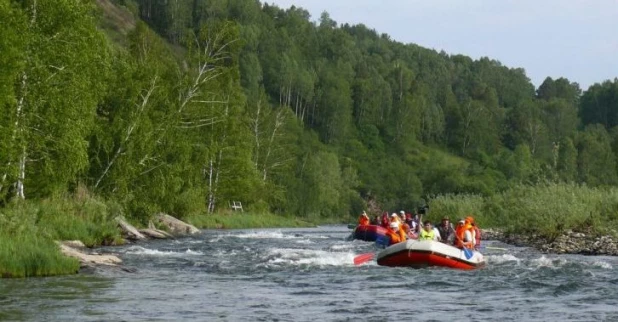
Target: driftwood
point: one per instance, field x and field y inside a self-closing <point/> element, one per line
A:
<point x="153" y="233"/>
<point x="88" y="260"/>
<point x="128" y="230"/>
<point x="176" y="226"/>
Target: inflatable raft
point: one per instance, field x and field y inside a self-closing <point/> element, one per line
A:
<point x="426" y="253"/>
<point x="369" y="232"/>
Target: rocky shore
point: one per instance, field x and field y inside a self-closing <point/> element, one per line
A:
<point x="568" y="242"/>
<point x="90" y="260"/>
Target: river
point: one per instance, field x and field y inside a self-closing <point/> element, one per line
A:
<point x="308" y="275"/>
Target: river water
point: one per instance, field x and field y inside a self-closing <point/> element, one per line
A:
<point x="308" y="275"/>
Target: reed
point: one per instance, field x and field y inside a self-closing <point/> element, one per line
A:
<point x="28" y="230"/>
<point x="547" y="210"/>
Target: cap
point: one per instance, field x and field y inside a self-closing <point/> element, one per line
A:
<point x="394" y="215"/>
<point x="402" y="212"/>
<point x="445" y="218"/>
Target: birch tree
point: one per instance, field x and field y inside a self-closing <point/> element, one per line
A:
<point x="56" y="91"/>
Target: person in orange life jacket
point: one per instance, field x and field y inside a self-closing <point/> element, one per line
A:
<point x="393" y="233"/>
<point x="476" y="234"/>
<point x="406" y="230"/>
<point x="468" y="221"/>
<point x="427" y="232"/>
<point x="463" y="236"/>
<point x="363" y="220"/>
<point x="402" y="216"/>
<point x="447" y="232"/>
<point x="400" y="230"/>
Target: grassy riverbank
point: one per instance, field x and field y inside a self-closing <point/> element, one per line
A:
<point x="546" y="210"/>
<point x="245" y="220"/>
<point x="29" y="229"/>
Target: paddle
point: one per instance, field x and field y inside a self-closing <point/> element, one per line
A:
<point x="381" y="240"/>
<point x="363" y="258"/>
<point x="468" y="253"/>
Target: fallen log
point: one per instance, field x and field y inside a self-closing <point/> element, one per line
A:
<point x="128" y="231"/>
<point x="176" y="227"/>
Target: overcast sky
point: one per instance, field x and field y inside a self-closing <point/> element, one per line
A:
<point x="576" y="39"/>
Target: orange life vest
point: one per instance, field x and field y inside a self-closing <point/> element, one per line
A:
<point x="460" y="235"/>
<point x="363" y="221"/>
<point x="394" y="236"/>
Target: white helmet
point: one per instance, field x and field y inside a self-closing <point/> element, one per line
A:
<point x="395" y="226"/>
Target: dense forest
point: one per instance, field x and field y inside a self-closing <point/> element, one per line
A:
<point x="184" y="106"/>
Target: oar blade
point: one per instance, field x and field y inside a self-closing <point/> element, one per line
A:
<point x="468" y="253"/>
<point x="363" y="258"/>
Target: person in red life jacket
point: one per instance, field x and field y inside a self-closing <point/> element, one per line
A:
<point x="463" y="236"/>
<point x="393" y="233"/>
<point x="385" y="221"/>
<point x="363" y="220"/>
<point x="476" y="232"/>
<point x="447" y="232"/>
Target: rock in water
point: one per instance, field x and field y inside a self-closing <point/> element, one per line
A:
<point x="176" y="226"/>
<point x="87" y="260"/>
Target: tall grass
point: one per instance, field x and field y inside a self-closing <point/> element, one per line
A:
<point x="547" y="210"/>
<point x="28" y="230"/>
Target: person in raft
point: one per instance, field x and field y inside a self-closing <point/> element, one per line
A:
<point x="364" y="219"/>
<point x="392" y="232"/>
<point x="476" y="232"/>
<point x="402" y="233"/>
<point x="385" y="221"/>
<point x="447" y="232"/>
<point x="463" y="235"/>
<point x="427" y="232"/>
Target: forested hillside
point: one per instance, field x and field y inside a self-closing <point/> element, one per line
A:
<point x="187" y="105"/>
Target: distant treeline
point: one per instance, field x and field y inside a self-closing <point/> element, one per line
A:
<point x="238" y="100"/>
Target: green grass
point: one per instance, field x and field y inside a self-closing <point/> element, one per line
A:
<point x="28" y="230"/>
<point x="546" y="210"/>
<point x="27" y="255"/>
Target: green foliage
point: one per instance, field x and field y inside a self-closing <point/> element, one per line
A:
<point x="546" y="210"/>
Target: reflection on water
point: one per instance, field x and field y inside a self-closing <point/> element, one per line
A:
<point x="308" y="275"/>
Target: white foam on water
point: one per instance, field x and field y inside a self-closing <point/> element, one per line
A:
<point x="304" y="241"/>
<point x="602" y="264"/>
<point x="138" y="250"/>
<point x="300" y="257"/>
<point x="547" y="262"/>
<point x="263" y="235"/>
<point x="497" y="259"/>
<point x="346" y="246"/>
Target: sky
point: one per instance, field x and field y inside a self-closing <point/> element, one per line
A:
<point x="576" y="39"/>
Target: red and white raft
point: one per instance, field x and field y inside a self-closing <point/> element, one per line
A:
<point x="426" y="253"/>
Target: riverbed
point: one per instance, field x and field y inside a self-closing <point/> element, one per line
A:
<point x="308" y="275"/>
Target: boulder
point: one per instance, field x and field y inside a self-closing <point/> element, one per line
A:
<point x="89" y="260"/>
<point x="128" y="230"/>
<point x="176" y="226"/>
